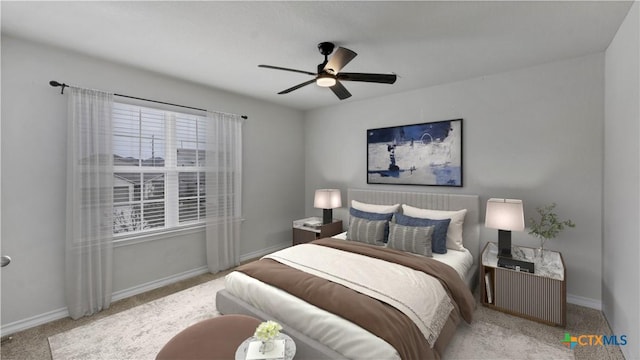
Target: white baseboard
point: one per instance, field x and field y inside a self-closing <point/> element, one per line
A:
<point x="122" y="294"/>
<point x="24" y="324"/>
<point x="30" y="322"/>
<point x="263" y="252"/>
<point x="62" y="313"/>
<point x="584" y="301"/>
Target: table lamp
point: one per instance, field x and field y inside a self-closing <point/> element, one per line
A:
<point x="506" y="215"/>
<point x="327" y="199"/>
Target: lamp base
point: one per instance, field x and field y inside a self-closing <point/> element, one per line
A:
<point x="327" y="216"/>
<point x="504" y="243"/>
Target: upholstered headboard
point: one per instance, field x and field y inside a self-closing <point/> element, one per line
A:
<point x="471" y="228"/>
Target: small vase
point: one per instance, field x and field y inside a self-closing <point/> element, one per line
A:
<point x="539" y="252"/>
<point x="266" y="346"/>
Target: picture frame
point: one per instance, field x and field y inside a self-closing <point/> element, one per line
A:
<point x="427" y="154"/>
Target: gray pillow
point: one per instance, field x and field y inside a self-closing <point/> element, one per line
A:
<point x="372" y="216"/>
<point x="367" y="231"/>
<point x="414" y="239"/>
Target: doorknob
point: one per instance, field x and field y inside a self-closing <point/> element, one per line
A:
<point x="4" y="261"/>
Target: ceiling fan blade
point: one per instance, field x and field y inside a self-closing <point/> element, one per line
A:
<point x="375" y="78"/>
<point x="297" y="87"/>
<point x="339" y="59"/>
<point x="286" y="69"/>
<point x="340" y="91"/>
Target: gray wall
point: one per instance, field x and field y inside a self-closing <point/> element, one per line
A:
<point x="34" y="170"/>
<point x="621" y="239"/>
<point x="533" y="134"/>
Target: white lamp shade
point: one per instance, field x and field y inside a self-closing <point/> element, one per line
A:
<point x="504" y="214"/>
<point x="327" y="199"/>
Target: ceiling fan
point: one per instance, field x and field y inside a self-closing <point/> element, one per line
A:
<point x="329" y="75"/>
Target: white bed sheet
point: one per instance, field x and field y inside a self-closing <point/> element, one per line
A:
<point x="346" y="338"/>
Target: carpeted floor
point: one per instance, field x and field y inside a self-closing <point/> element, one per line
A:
<point x="33" y="344"/>
<point x="140" y="332"/>
<point x="580" y="320"/>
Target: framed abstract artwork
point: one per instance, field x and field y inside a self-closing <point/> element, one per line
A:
<point x="417" y="154"/>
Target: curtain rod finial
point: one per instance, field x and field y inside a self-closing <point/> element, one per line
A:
<point x="56" y="84"/>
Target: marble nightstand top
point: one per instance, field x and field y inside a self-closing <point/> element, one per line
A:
<point x="550" y="266"/>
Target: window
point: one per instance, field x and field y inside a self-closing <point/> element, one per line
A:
<point x="159" y="178"/>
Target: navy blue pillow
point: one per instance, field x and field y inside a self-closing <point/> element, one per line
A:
<point x="439" y="237"/>
<point x="373" y="216"/>
<point x="369" y="215"/>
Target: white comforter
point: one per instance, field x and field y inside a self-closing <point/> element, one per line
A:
<point x="346" y="338"/>
<point x="419" y="296"/>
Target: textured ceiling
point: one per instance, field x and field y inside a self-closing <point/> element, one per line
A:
<point x="220" y="44"/>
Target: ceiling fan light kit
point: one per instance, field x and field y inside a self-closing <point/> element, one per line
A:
<point x="329" y="75"/>
<point x="325" y="80"/>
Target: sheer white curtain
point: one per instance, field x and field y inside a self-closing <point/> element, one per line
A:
<point x="223" y="190"/>
<point x="89" y="243"/>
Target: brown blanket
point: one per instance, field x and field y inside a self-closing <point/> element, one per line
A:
<point x="449" y="278"/>
<point x="377" y="317"/>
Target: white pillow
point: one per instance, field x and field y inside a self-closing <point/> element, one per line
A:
<point x="454" y="233"/>
<point x="372" y="208"/>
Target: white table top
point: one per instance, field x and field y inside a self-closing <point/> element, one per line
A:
<point x="289" y="347"/>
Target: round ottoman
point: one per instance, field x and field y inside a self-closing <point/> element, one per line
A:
<point x="216" y="338"/>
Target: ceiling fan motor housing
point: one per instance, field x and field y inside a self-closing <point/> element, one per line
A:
<point x="322" y="70"/>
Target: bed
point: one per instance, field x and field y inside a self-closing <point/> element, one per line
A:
<point x="336" y="328"/>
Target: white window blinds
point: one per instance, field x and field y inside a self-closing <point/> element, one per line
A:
<point x="159" y="179"/>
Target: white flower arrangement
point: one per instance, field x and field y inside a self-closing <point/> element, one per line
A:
<point x="267" y="330"/>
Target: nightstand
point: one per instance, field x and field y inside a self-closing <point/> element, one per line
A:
<point x="303" y="233"/>
<point x="541" y="296"/>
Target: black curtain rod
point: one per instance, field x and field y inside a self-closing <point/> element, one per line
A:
<point x="63" y="85"/>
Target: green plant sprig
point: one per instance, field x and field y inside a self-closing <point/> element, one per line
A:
<point x="549" y="225"/>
